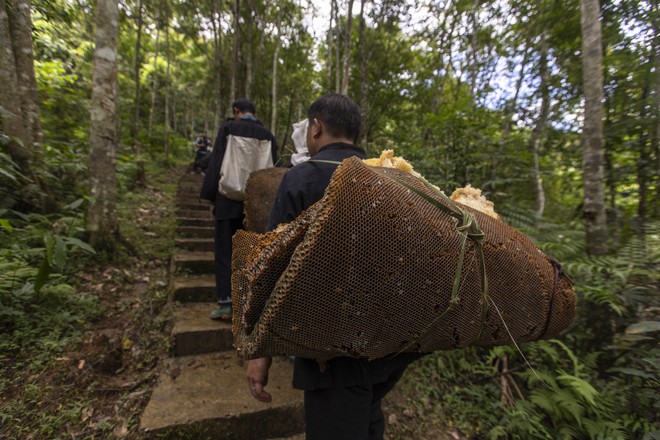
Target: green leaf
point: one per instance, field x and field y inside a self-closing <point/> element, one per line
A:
<point x="632" y="372"/>
<point x="80" y="244"/>
<point x="49" y="241"/>
<point x="5" y="224"/>
<point x="59" y="255"/>
<point x="581" y="387"/>
<point x="75" y="204"/>
<point x="42" y="275"/>
<point x="644" y="327"/>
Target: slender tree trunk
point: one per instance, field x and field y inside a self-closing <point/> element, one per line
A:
<point x="154" y="86"/>
<point x="347" y="49"/>
<point x="644" y="160"/>
<point x="337" y="40"/>
<point x="20" y="23"/>
<point x="538" y="134"/>
<point x="135" y="126"/>
<point x="167" y="93"/>
<point x="249" y="74"/>
<point x="592" y="136"/>
<point x="276" y="58"/>
<point x="217" y="26"/>
<point x="101" y="215"/>
<point x="364" y="62"/>
<point x="234" y="55"/>
<point x="328" y="58"/>
<point x="141" y="175"/>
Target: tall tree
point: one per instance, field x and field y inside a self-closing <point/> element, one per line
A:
<point x="328" y="58"/>
<point x="364" y="53"/>
<point x="20" y="22"/>
<point x="11" y="114"/>
<point x="102" y="215"/>
<point x="592" y="132"/>
<point x="537" y="137"/>
<point x="154" y="83"/>
<point x="347" y="49"/>
<point x="168" y="90"/>
<point x="136" y="75"/>
<point x="216" y="22"/>
<point x="235" y="50"/>
<point x="276" y="59"/>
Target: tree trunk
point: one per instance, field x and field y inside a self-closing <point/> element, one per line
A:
<point x="217" y="27"/>
<point x="337" y="40"/>
<point x="167" y="93"/>
<point x="20" y="23"/>
<point x="364" y="54"/>
<point x="234" y="55"/>
<point x="276" y="56"/>
<point x="154" y="86"/>
<point x="101" y="215"/>
<point x="537" y="137"/>
<point x="141" y="176"/>
<point x="347" y="49"/>
<point x="249" y="74"/>
<point x="135" y="126"/>
<point x="12" y="117"/>
<point x="328" y="58"/>
<point x="592" y="136"/>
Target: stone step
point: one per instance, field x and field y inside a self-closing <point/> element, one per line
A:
<point x="192" y="204"/>
<point x="197" y="263"/>
<point x="193" y="289"/>
<point x="195" y="231"/>
<point x="191" y="177"/>
<point x="190" y="213"/>
<point x="195" y="333"/>
<point x="195" y="244"/>
<point x="206" y="397"/>
<point x="200" y="222"/>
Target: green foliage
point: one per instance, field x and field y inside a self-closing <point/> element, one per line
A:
<point x="40" y="306"/>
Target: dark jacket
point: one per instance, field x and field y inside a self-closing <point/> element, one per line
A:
<point x="247" y="127"/>
<point x="301" y="187"/>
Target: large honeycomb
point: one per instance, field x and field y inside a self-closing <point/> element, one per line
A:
<point x="368" y="272"/>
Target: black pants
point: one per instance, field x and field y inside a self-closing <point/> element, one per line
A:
<point x="347" y="413"/>
<point x="224" y="230"/>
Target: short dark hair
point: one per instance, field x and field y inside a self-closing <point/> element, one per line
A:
<point x="339" y="113"/>
<point x="244" y="106"/>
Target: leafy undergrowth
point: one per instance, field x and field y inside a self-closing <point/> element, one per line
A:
<point x="94" y="378"/>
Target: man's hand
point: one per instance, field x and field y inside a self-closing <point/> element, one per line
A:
<point x="212" y="211"/>
<point x="257" y="376"/>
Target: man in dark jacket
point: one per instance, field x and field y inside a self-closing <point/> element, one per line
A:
<point x="244" y="131"/>
<point x="344" y="400"/>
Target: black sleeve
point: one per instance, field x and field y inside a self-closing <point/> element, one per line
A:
<point x="209" y="189"/>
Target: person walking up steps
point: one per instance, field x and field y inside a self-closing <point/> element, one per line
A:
<point x="242" y="145"/>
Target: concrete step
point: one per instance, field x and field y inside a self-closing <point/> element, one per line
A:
<point x="189" y="213"/>
<point x="195" y="244"/>
<point x="191" y="177"/>
<point x="195" y="231"/>
<point x="199" y="288"/>
<point x="196" y="263"/>
<point x="201" y="222"/>
<point x="192" y="204"/>
<point x="206" y="397"/>
<point x="195" y="333"/>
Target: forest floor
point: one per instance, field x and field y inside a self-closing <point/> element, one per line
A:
<point x="98" y="386"/>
